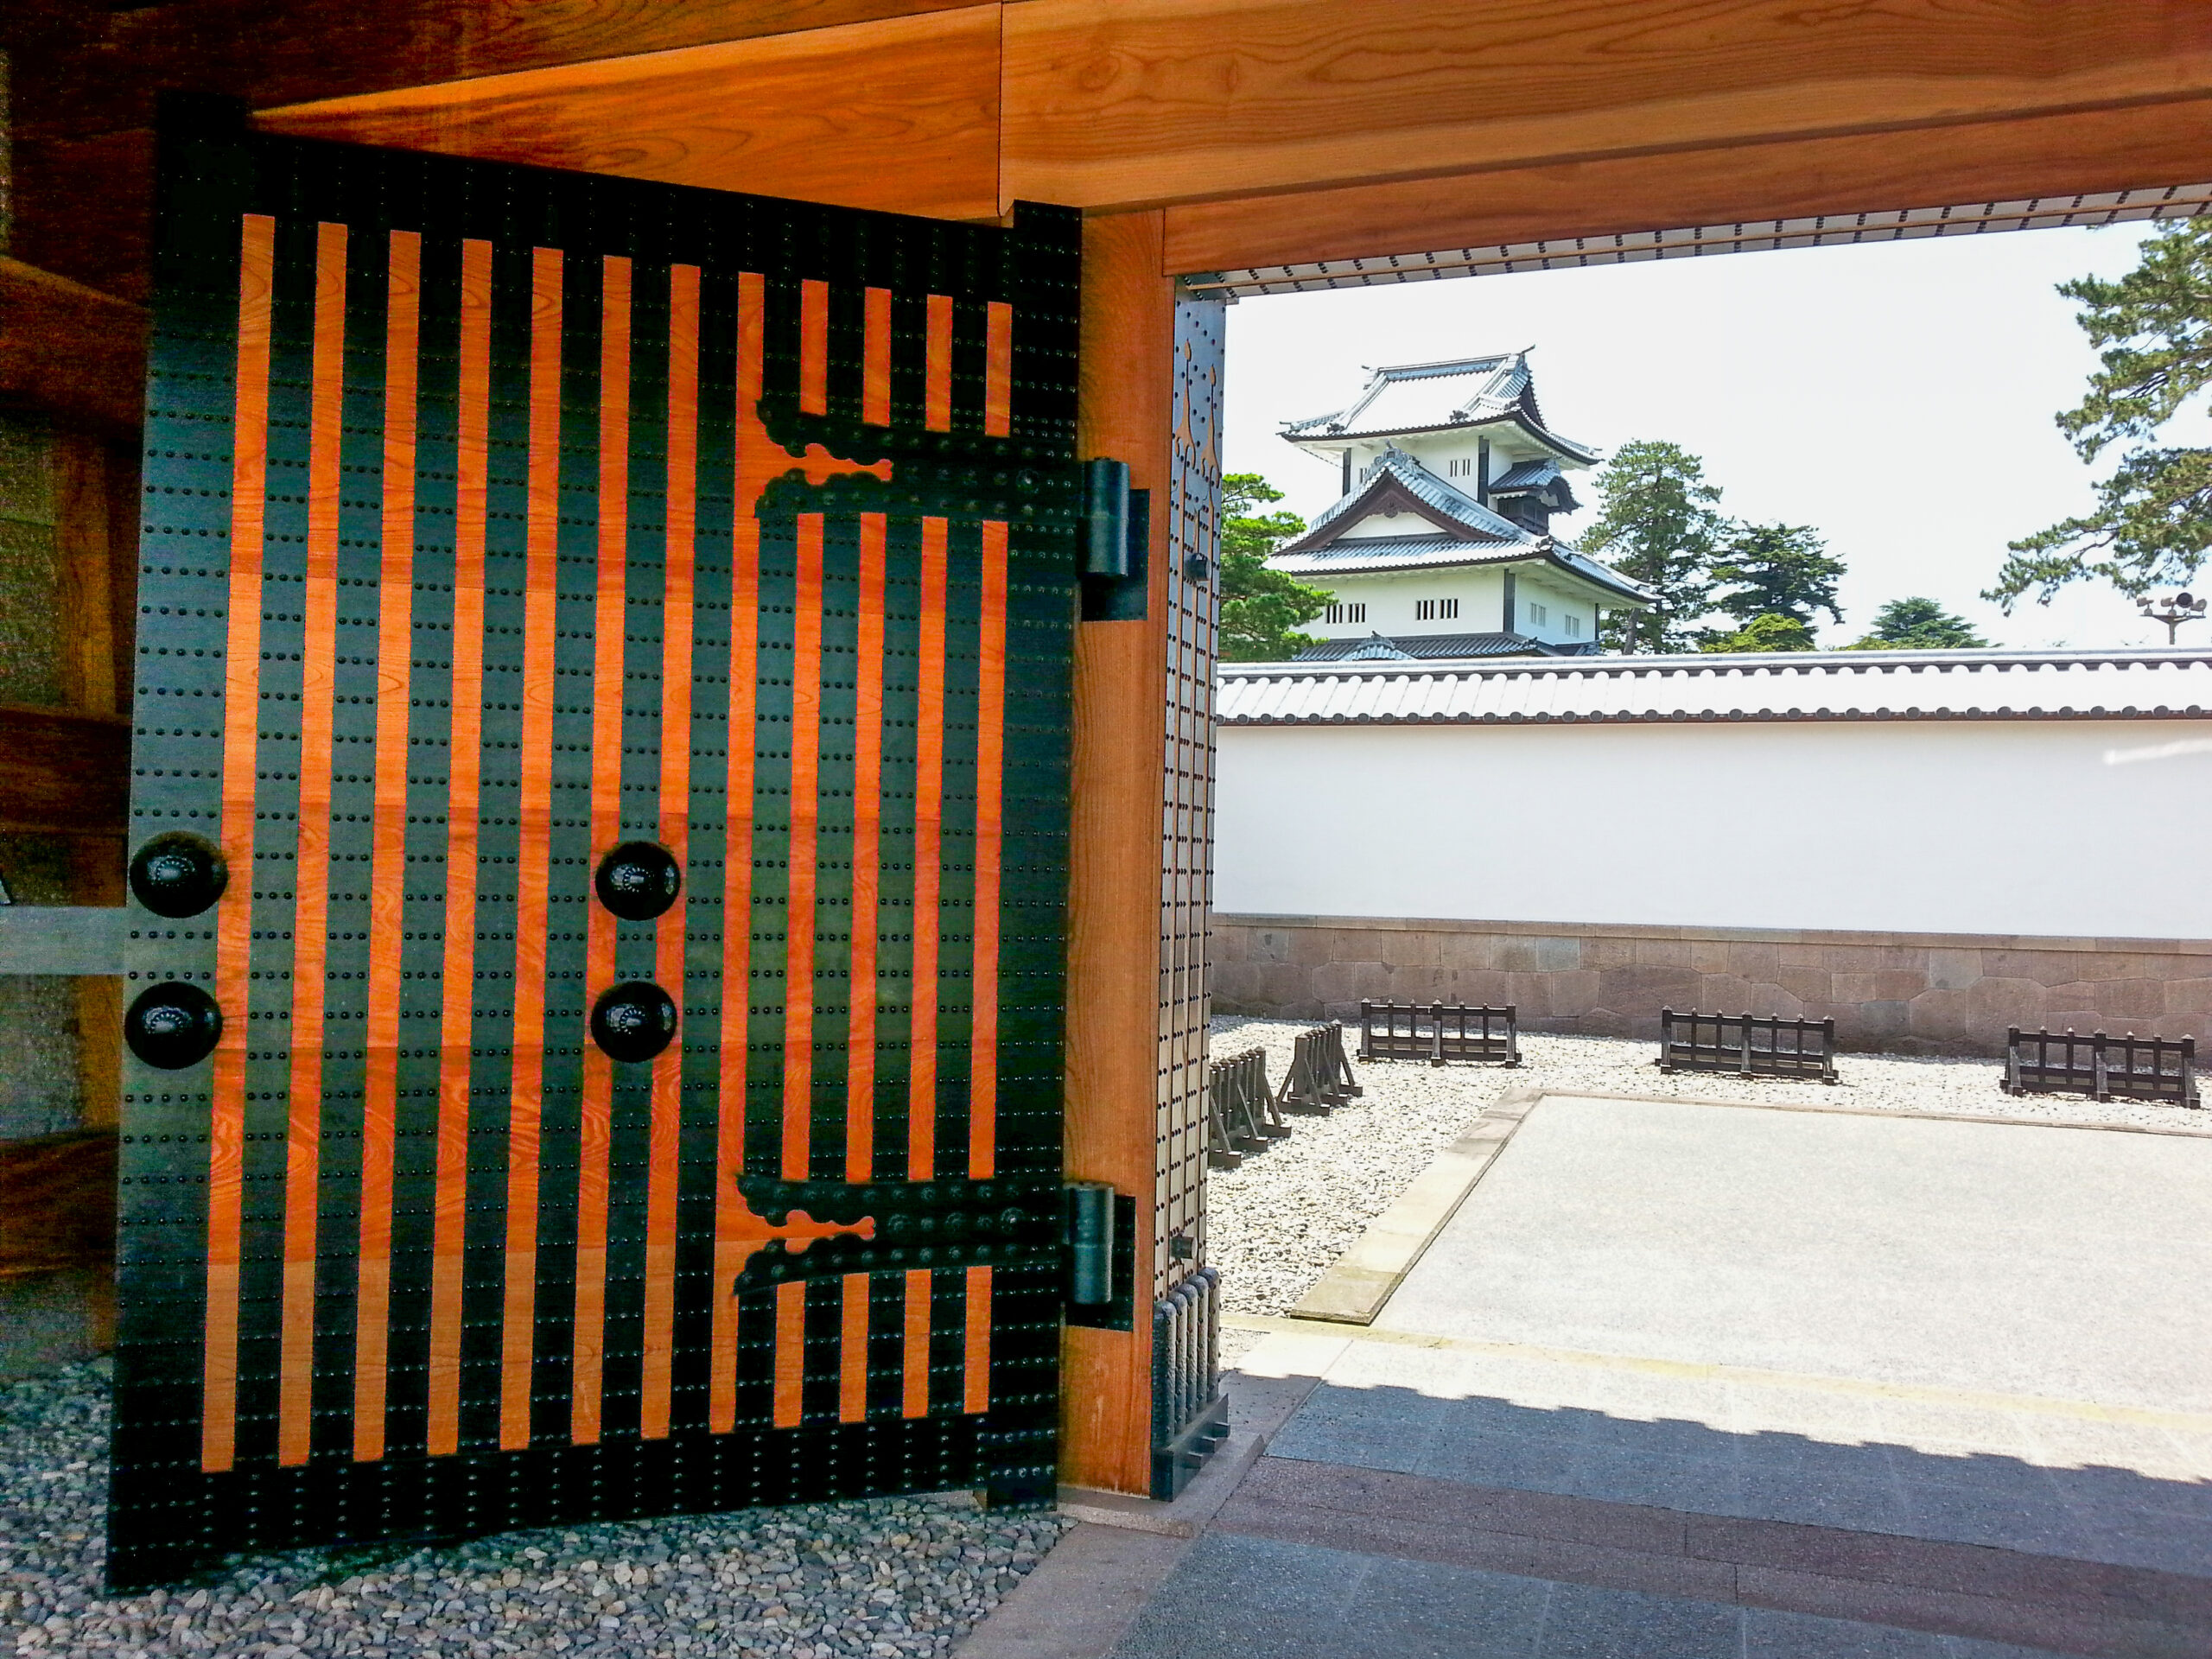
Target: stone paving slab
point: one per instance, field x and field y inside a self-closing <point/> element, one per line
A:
<point x="2019" y="1259"/>
<point x="1681" y="1379"/>
<point x="1823" y="1320"/>
<point x="1237" y="1597"/>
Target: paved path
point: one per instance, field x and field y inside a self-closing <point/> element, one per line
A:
<point x="1683" y="1380"/>
<point x="2012" y="1258"/>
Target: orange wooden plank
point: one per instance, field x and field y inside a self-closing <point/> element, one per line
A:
<point x="802" y="852"/>
<point x="311" y="865"/>
<point x="898" y="113"/>
<point x="852" y="1351"/>
<point x="589" y="1344"/>
<point x="388" y="859"/>
<point x="234" y="922"/>
<point x="813" y="347"/>
<point x="756" y="464"/>
<point x="914" y="1370"/>
<point x="377" y="50"/>
<point x="533" y="872"/>
<point x="670" y="932"/>
<point x="990" y="752"/>
<point x="998" y="369"/>
<point x="465" y="768"/>
<point x="975" y="1348"/>
<point x="937" y="364"/>
<point x="867" y="824"/>
<point x="1149" y="102"/>
<point x="928" y="824"/>
<point x="791" y="1353"/>
<point x="875" y="374"/>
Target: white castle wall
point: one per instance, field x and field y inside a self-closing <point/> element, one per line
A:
<point x="2078" y="827"/>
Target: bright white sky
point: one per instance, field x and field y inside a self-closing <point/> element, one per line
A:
<point x="1896" y="396"/>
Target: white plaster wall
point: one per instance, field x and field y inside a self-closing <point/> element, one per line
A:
<point x="1390" y="602"/>
<point x="1558" y="602"/>
<point x="2095" y="829"/>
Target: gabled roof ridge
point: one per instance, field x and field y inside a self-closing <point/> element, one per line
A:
<point x="1468" y="514"/>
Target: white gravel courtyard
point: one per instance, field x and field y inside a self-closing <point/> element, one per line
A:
<point x="1275" y="1224"/>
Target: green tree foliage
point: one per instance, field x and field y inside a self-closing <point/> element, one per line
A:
<point x="1918" y="625"/>
<point x="1781" y="570"/>
<point x="1656" y="523"/>
<point x="1261" y="609"/>
<point x="2152" y="523"/>
<point x="1773" y="632"/>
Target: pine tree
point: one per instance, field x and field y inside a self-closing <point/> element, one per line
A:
<point x="2152" y="523"/>
<point x="1261" y="609"/>
<point x="1918" y="625"/>
<point x="1657" y="524"/>
<point x="1771" y="631"/>
<point x="1782" y="570"/>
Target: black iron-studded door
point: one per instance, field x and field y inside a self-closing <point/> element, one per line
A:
<point x="599" y="813"/>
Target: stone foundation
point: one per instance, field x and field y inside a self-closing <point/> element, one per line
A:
<point x="1898" y="993"/>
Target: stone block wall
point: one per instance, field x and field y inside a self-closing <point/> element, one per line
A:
<point x="1897" y="993"/>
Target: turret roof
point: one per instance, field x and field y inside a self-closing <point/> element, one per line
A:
<point x="1448" y="527"/>
<point x="1406" y="398"/>
<point x="1395" y="470"/>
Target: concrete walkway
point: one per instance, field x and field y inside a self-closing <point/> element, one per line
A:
<point x="1686" y="1379"/>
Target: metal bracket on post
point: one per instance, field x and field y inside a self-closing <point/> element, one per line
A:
<point x="1116" y="544"/>
<point x="1101" y="1230"/>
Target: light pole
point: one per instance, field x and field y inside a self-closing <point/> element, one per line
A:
<point x="2182" y="608"/>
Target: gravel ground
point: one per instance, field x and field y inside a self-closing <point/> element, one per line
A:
<point x="1275" y="1224"/>
<point x="885" y="1577"/>
<point x="889" y="1577"/>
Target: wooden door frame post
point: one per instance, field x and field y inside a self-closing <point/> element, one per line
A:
<point x="1129" y="315"/>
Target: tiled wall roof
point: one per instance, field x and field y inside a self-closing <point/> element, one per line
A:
<point x="2147" y="684"/>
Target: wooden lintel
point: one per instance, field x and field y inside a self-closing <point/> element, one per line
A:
<point x="900" y="113"/>
<point x="63" y="772"/>
<point x="70" y="351"/>
<point x="1152" y="102"/>
<point x="91" y="68"/>
<point x="1982" y="162"/>
<point x="1226" y="112"/>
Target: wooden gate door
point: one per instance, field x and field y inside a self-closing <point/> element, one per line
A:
<point x="600" y="814"/>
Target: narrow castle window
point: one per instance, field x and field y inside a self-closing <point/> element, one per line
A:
<point x="1435" y="610"/>
<point x="1347" y="613"/>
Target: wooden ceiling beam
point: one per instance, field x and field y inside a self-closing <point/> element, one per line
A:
<point x="1979" y="162"/>
<point x="1271" y="131"/>
<point x="1145" y="103"/>
<point x="900" y="113"/>
<point x="83" y="67"/>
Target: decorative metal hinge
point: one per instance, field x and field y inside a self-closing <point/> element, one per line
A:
<point x="1117" y="544"/>
<point x="824" y="1230"/>
<point x="1101" y="1232"/>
